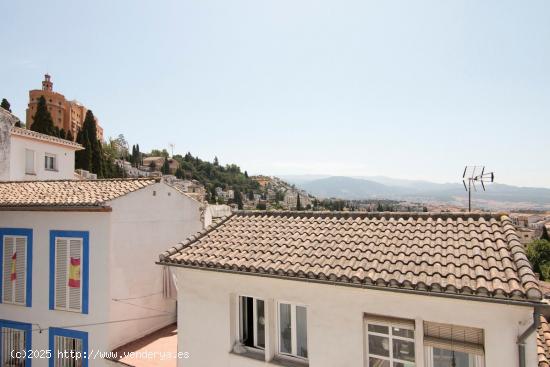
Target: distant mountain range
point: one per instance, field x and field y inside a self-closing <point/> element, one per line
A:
<point x="497" y="196"/>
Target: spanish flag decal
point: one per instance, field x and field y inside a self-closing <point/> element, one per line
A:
<point x="74" y="273"/>
<point x="13" y="275"/>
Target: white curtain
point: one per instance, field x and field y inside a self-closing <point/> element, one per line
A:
<point x="169" y="285"/>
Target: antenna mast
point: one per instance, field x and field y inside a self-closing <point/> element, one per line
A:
<point x="470" y="174"/>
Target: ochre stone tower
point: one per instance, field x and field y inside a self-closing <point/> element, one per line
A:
<point x="66" y="115"/>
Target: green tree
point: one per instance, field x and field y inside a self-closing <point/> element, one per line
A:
<point x="42" y="120"/>
<point x="5" y="105"/>
<point x="69" y="136"/>
<point x="545" y="234"/>
<point x="298" y="203"/>
<point x="538" y="253"/>
<point x="238" y="199"/>
<point x="92" y="157"/>
<point x="165" y="169"/>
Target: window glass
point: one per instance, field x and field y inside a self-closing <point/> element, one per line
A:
<point x="449" y="358"/>
<point x="379" y="345"/>
<point x="405" y="333"/>
<point x="285" y="329"/>
<point x="252" y="322"/>
<point x="403" y="350"/>
<point x="260" y="323"/>
<point x="376" y="362"/>
<point x="381" y="329"/>
<point x="301" y="331"/>
<point x="390" y="346"/>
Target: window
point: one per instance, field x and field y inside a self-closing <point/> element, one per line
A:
<point x="390" y="343"/>
<point x="293" y="330"/>
<point x="15" y="339"/>
<point x="16" y="266"/>
<point x="69" y="271"/>
<point x="50" y="162"/>
<point x="69" y="348"/>
<point x="453" y="346"/>
<point x="29" y="162"/>
<point x="252" y="322"/>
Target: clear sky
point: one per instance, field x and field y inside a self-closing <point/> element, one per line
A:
<point x="407" y="89"/>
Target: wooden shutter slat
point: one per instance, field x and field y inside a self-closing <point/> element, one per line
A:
<point x="61" y="269"/>
<point x="20" y="269"/>
<point x="7" y="284"/>
<point x="75" y="293"/>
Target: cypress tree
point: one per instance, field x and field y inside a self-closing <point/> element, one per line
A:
<point x="69" y="136"/>
<point x="83" y="158"/>
<point x="5" y="105"/>
<point x="165" y="167"/>
<point x="42" y="121"/>
<point x="298" y="203"/>
<point x="62" y="134"/>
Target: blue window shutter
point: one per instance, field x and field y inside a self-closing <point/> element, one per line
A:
<point x="23" y="232"/>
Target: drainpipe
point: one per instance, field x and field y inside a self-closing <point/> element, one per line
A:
<point x="521" y="339"/>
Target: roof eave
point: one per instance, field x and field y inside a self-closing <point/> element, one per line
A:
<point x="476" y="298"/>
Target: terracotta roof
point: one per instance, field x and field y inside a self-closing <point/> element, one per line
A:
<point x="543" y="343"/>
<point x="67" y="193"/>
<point x="466" y="254"/>
<point x="43" y="137"/>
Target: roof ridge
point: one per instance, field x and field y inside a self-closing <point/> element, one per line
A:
<point x="39" y="135"/>
<point x="377" y="215"/>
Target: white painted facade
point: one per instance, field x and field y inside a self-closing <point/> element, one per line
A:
<point x="208" y="320"/>
<point x="123" y="246"/>
<point x="23" y="146"/>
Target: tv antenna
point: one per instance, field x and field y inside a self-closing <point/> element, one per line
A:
<point x="475" y="174"/>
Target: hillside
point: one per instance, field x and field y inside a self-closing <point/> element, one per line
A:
<point x="497" y="196"/>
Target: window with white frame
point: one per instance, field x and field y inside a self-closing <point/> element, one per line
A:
<point x="14" y="265"/>
<point x="252" y="322"/>
<point x="68" y="265"/>
<point x="389" y="342"/>
<point x="50" y="162"/>
<point x="292" y="330"/>
<point x="29" y="162"/>
<point x="453" y="346"/>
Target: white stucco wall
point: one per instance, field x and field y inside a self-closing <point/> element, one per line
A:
<point x="64" y="156"/>
<point x="98" y="225"/>
<point x="143" y="226"/>
<point x="334" y="316"/>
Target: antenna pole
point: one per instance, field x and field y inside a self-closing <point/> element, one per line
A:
<point x="469" y="196"/>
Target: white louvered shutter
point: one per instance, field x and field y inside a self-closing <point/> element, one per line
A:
<point x="14" y="290"/>
<point x="13" y="340"/>
<point x="20" y="270"/>
<point x="7" y="284"/>
<point x="65" y="344"/>
<point x="61" y="272"/>
<point x="75" y="293"/>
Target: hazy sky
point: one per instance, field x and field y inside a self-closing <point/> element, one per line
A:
<point x="408" y="89"/>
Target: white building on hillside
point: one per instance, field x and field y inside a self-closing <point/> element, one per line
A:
<point x="28" y="155"/>
<point x="69" y="251"/>
<point x="356" y="290"/>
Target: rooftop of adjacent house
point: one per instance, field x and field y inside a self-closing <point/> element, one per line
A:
<point x="67" y="193"/>
<point x="462" y="254"/>
<point x="164" y="344"/>
<point x="26" y="133"/>
<point x="543" y="343"/>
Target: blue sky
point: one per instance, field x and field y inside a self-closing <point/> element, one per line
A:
<point x="407" y="89"/>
